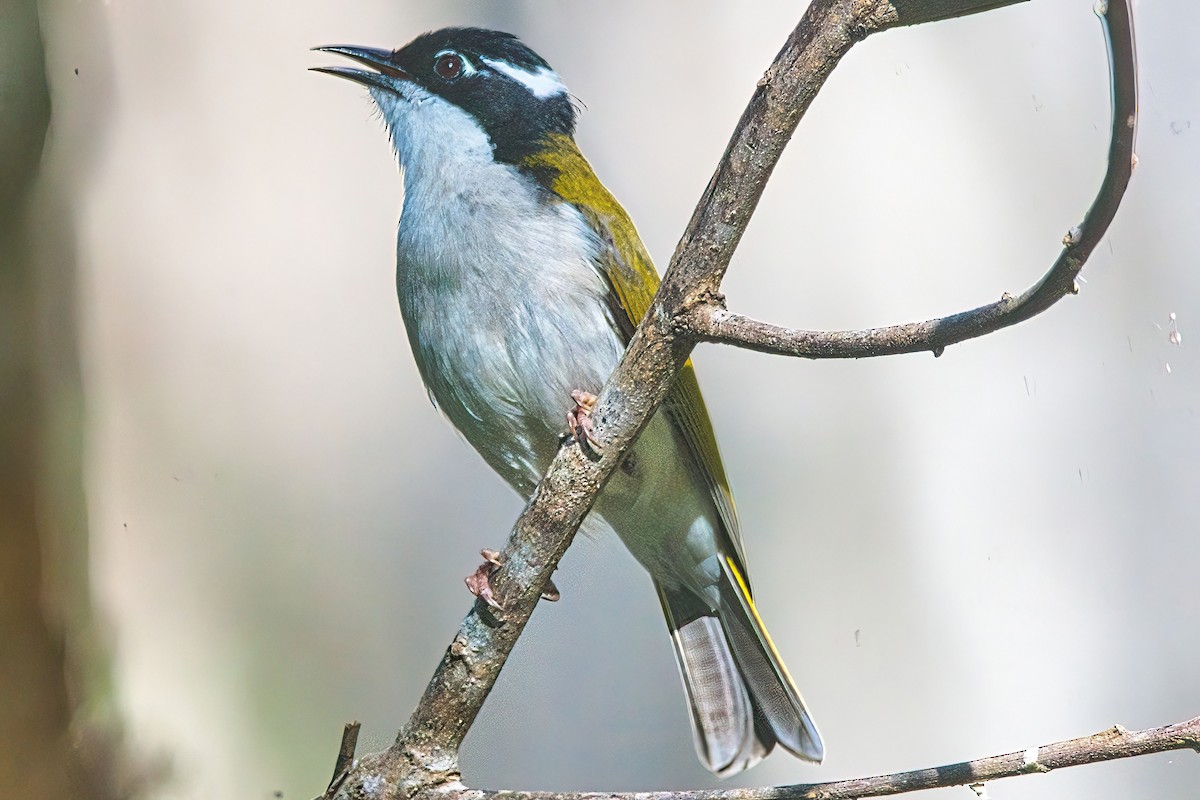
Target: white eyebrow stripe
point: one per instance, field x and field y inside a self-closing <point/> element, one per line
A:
<point x="543" y="82"/>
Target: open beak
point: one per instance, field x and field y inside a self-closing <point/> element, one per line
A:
<point x="381" y="60"/>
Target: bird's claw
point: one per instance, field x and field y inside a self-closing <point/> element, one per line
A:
<point x="579" y="419"/>
<point x="478" y="583"/>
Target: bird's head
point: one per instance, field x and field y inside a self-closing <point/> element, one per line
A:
<point x="466" y="88"/>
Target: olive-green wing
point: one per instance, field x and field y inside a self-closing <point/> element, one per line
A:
<point x="626" y="265"/>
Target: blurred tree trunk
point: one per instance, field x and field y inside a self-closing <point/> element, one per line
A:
<point x="44" y="750"/>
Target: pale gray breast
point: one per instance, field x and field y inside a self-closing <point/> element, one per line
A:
<point x="505" y="310"/>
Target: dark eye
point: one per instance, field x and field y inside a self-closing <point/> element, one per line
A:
<point x="448" y="66"/>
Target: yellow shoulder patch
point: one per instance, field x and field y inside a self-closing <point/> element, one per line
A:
<point x="631" y="273"/>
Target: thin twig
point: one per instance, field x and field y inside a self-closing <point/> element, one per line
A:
<point x="345" y="757"/>
<point x="917" y="12"/>
<point x="711" y="322"/>
<point x="1114" y="743"/>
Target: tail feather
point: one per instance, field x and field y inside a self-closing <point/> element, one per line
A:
<point x="764" y="672"/>
<point x="722" y="712"/>
<point x="724" y="728"/>
<point x="741" y="698"/>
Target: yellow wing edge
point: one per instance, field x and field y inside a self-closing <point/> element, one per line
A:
<point x="564" y="171"/>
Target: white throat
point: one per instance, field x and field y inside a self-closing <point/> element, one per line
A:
<point x="430" y="135"/>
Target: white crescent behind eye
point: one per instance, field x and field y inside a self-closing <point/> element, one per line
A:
<point x="467" y="67"/>
<point x="542" y="82"/>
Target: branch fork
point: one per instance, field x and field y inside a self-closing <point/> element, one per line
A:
<point x="688" y="309"/>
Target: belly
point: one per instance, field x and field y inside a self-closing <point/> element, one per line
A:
<point x="663" y="512"/>
<point x="505" y="320"/>
<point x="503" y="372"/>
<point x="503" y="377"/>
<point x="505" y="312"/>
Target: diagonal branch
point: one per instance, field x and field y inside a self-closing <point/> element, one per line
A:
<point x="711" y="322"/>
<point x="467" y="672"/>
<point x="1114" y="743"/>
<point x="424" y="755"/>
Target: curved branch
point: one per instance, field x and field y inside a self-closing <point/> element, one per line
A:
<point x="1114" y="743"/>
<point x="425" y="751"/>
<point x="424" y="755"/>
<point x="711" y="322"/>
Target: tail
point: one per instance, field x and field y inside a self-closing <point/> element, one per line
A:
<point x="741" y="696"/>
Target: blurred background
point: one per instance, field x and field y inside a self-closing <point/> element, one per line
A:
<point x="252" y="526"/>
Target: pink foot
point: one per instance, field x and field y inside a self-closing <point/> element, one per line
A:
<point x="477" y="582"/>
<point x="579" y="419"/>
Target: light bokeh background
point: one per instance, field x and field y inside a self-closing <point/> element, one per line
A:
<point x="958" y="557"/>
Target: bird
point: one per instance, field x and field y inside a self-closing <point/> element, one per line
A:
<point x="521" y="280"/>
